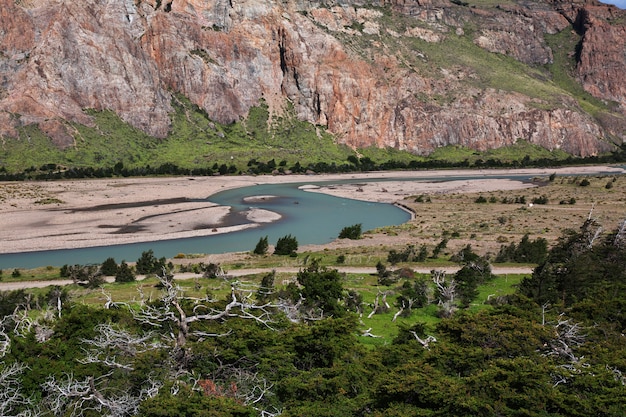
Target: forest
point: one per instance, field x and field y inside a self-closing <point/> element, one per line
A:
<point x="556" y="347"/>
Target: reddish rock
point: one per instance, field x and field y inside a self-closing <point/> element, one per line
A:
<point x="59" y="58"/>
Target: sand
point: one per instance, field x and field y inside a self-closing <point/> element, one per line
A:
<point x="85" y="213"/>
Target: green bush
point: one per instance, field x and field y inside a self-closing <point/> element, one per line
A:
<point x="124" y="273"/>
<point x="351" y="232"/>
<point x="286" y="245"/>
<point x="109" y="267"/>
<point x="261" y="246"/>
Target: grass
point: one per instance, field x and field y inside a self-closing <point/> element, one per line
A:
<point x="380" y="324"/>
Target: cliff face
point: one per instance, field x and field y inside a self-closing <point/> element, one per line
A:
<point x="390" y="73"/>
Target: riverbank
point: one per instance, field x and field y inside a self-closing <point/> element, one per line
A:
<point x="85" y="213"/>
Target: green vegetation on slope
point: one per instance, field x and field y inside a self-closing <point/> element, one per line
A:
<point x="555" y="347"/>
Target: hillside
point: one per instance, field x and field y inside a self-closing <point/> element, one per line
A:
<point x="94" y="76"/>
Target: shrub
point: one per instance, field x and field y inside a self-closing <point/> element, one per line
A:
<point x="261" y="246"/>
<point x="109" y="267"/>
<point x="149" y="264"/>
<point x="124" y="273"/>
<point x="584" y="183"/>
<point x="480" y="200"/>
<point x="286" y="245"/>
<point x="351" y="232"/>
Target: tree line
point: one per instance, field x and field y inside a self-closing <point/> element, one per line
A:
<point x="53" y="171"/>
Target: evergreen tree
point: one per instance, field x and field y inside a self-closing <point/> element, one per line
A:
<point x="149" y="264"/>
<point x="321" y="288"/>
<point x="109" y="267"/>
<point x="286" y="245"/>
<point x="261" y="247"/>
<point x="351" y="232"/>
<point x="124" y="273"/>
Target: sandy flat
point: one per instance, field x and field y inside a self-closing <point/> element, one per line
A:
<point x="84" y="213"/>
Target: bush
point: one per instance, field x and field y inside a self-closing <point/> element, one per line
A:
<point x="351" y="232"/>
<point x="439" y="248"/>
<point x="261" y="246"/>
<point x="480" y="200"/>
<point x="584" y="183"/>
<point x="149" y="264"/>
<point x="124" y="273"/>
<point x="286" y="245"/>
<point x="109" y="267"/>
<point x="88" y="275"/>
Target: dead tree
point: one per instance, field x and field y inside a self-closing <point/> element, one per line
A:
<point x="405" y="303"/>
<point x="380" y="304"/>
<point x="424" y="342"/>
<point x="446" y="292"/>
<point x="568" y="335"/>
<point x="11" y="396"/>
<point x="115" y="347"/>
<point x="170" y="310"/>
<point x="620" y="237"/>
<point x="76" y="398"/>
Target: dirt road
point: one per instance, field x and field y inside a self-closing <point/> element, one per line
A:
<point x="11" y="286"/>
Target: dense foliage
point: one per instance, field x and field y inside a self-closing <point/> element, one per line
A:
<point x="554" y="348"/>
<point x="286" y="245"/>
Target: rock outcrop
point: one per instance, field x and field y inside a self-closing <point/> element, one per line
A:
<point x="362" y="68"/>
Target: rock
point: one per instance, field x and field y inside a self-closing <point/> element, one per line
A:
<point x="60" y="58"/>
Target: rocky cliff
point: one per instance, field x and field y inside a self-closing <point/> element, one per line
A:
<point x="409" y="74"/>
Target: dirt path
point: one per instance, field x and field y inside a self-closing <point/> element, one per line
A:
<point x="11" y="286"/>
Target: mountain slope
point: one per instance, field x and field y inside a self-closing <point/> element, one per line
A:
<point x="413" y="75"/>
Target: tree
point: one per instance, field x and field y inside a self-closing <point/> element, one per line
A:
<point x="321" y="289"/>
<point x="261" y="247"/>
<point x="412" y="295"/>
<point x="89" y="275"/>
<point x="124" y="273"/>
<point x="440" y="247"/>
<point x="286" y="245"/>
<point x="109" y="267"/>
<point x="266" y="290"/>
<point x="385" y="277"/>
<point x="149" y="264"/>
<point x="351" y="232"/>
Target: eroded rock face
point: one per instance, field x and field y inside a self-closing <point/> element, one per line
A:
<point x="59" y="58"/>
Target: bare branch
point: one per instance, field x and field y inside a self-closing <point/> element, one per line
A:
<point x="620" y="236"/>
<point x="11" y="396"/>
<point x="368" y="333"/>
<point x="424" y="342"/>
<point x="80" y="397"/>
<point x="567" y="336"/>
